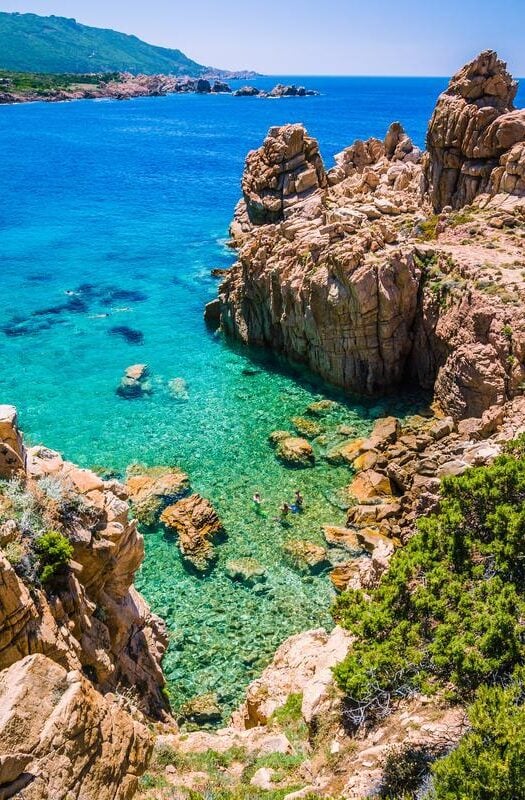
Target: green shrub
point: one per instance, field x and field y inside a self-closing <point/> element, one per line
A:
<point x="405" y="770"/>
<point x="54" y="552"/>
<point x="489" y="763"/>
<point x="427" y="228"/>
<point x="14" y="552"/>
<point x="450" y="609"/>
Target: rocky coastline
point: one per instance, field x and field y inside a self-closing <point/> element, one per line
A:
<point x="80" y="632"/>
<point x="125" y="86"/>
<point x="394" y="266"/>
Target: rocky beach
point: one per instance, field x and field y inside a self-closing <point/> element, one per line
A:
<point x="373" y="328"/>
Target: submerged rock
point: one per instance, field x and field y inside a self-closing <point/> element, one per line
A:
<point x="320" y="408"/>
<point x="202" y="709"/>
<point x="179" y="389"/>
<point x="306" y="427"/>
<point x="151" y="489"/>
<point x="134" y="382"/>
<point x="247" y="571"/>
<point x="306" y="556"/>
<point x="197" y="524"/>
<point x="278" y="436"/>
<point x="295" y="452"/>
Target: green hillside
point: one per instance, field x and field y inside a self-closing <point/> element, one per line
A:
<point x="32" y="43"/>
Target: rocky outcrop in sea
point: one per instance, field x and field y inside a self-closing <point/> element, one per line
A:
<point x="350" y="270"/>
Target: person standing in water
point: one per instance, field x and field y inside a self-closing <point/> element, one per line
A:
<point x="257" y="504"/>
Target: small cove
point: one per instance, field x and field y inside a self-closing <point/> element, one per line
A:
<point x="114" y="214"/>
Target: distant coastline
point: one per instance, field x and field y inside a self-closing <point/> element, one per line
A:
<point x="25" y="87"/>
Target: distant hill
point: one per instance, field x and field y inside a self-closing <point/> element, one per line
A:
<point x="29" y="42"/>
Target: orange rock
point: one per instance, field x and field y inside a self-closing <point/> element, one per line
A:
<point x="197" y="524"/>
<point x="369" y="485"/>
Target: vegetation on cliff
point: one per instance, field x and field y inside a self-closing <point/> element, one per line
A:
<point x="58" y="44"/>
<point x="448" y="616"/>
<point x="43" y="84"/>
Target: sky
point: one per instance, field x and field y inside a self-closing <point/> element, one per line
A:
<point x="314" y="37"/>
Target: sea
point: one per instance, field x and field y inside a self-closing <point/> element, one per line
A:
<point x="112" y="215"/>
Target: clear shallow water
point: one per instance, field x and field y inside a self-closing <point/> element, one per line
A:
<point x="127" y="206"/>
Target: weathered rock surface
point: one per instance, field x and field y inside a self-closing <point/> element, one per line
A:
<point x="99" y="622"/>
<point x="286" y="166"/>
<point x="69" y="653"/>
<point x="301" y="665"/>
<point x="473" y="127"/>
<point x="60" y="738"/>
<point x="151" y="489"/>
<point x="410" y="466"/>
<point x="12" y="452"/>
<point x="334" y="272"/>
<point x="197" y="525"/>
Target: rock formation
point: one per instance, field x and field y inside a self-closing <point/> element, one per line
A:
<point x="474" y="127"/>
<point x="134" y="382"/>
<point x="197" y="524"/>
<point x="350" y="273"/>
<point x="288" y="166"/>
<point x="72" y="652"/>
<point x="151" y="489"/>
<point x="60" y="738"/>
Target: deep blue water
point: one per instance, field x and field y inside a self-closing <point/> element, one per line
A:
<point x="111" y="215"/>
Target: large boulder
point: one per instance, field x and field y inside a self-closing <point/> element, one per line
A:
<point x="370" y="485"/>
<point x="302" y="665"/>
<point x="60" y="738"/>
<point x="288" y="165"/>
<point x="197" y="525"/>
<point x="473" y="126"/>
<point x="295" y="452"/>
<point x="152" y="488"/>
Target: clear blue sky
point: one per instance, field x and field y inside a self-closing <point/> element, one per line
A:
<point x="300" y="37"/>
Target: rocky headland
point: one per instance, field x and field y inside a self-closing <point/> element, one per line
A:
<point x="395" y="266"/>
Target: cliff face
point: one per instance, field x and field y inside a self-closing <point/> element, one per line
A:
<point x="83" y="652"/>
<point x="349" y="272"/>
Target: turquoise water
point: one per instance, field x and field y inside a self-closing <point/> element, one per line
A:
<point x="112" y="216"/>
